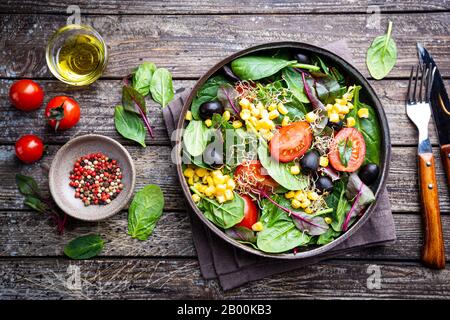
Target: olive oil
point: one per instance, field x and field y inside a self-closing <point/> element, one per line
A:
<point x="77" y="55"/>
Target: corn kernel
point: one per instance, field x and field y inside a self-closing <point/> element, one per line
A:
<point x="220" y="188"/>
<point x="196" y="178"/>
<point x="333" y="116"/>
<point x="253" y="121"/>
<point x="363" y="113"/>
<point x="257" y="226"/>
<point x="295" y="170"/>
<point x="313" y="196"/>
<point x="191" y="181"/>
<point x="346" y="96"/>
<point x="188" y="116"/>
<point x="226" y="115"/>
<point x="272" y="107"/>
<point x="264" y="114"/>
<point x="305" y="203"/>
<point x="351" y="122"/>
<point x="196" y="197"/>
<point x="219" y="180"/>
<point x="295" y="204"/>
<point x="231" y="184"/>
<point x="323" y="161"/>
<point x="189" y="173"/>
<point x="260" y="106"/>
<point x="221" y="198"/>
<point x="237" y="124"/>
<point x="202" y="188"/>
<point x="245" y="114"/>
<point x="201" y="172"/>
<point x="328" y="220"/>
<point x="209" y="191"/>
<point x="229" y="195"/>
<point x="268" y="135"/>
<point x="341" y="102"/>
<point x="210" y="181"/>
<point x="217" y="173"/>
<point x="329" y="107"/>
<point x="208" y="122"/>
<point x="300" y="195"/>
<point x="274" y="114"/>
<point x="244" y="103"/>
<point x="336" y="108"/>
<point x="282" y="109"/>
<point x="344" y="109"/>
<point x="350" y="105"/>
<point x="266" y="124"/>
<point x="341" y="116"/>
<point x="308" y="210"/>
<point x="289" y="195"/>
<point x="256" y="112"/>
<point x="311" y="117"/>
<point x="262" y="131"/>
<point x="285" y="121"/>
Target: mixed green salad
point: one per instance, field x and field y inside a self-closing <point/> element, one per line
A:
<point x="279" y="151"/>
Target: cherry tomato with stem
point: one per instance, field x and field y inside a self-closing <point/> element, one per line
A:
<point x="62" y="112"/>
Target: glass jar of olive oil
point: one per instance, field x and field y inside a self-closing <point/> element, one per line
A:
<point x="77" y="55"/>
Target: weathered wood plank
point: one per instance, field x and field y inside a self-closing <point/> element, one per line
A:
<point x="225" y="6"/>
<point x="26" y="233"/>
<point x="153" y="165"/>
<point x="97" y="103"/>
<point x="181" y="279"/>
<point x="189" y="45"/>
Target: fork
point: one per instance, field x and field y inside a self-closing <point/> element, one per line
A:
<point x="418" y="111"/>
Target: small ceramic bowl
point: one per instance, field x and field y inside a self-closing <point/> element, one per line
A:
<point x="59" y="176"/>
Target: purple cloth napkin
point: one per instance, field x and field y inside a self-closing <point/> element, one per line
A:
<point x="234" y="267"/>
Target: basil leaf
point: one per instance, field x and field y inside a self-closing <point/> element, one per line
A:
<point x="35" y="203"/>
<point x="258" y="67"/>
<point x="282" y="236"/>
<point x="142" y="78"/>
<point x="131" y="98"/>
<point x="84" y="247"/>
<point x="242" y="234"/>
<point x="129" y="125"/>
<point x="294" y="82"/>
<point x="345" y="148"/>
<point x="206" y="93"/>
<point x="382" y="55"/>
<point x="145" y="211"/>
<point x="161" y="87"/>
<point x="227" y="214"/>
<point x="280" y="171"/>
<point x="195" y="138"/>
<point x="27" y="185"/>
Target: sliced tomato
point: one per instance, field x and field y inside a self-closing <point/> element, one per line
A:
<point x="351" y="138"/>
<point x="291" y="141"/>
<point x="253" y="173"/>
<point x="250" y="212"/>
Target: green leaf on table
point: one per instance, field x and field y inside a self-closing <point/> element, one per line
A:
<point x="84" y="247"/>
<point x="131" y="98"/>
<point x="142" y="78"/>
<point x="27" y="185"/>
<point x="129" y="125"/>
<point x="195" y="137"/>
<point x="35" y="203"/>
<point x="161" y="87"/>
<point x="382" y="55"/>
<point x="206" y="93"/>
<point x="145" y="211"/>
<point x="258" y="67"/>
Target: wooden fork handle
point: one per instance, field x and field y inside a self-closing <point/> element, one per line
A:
<point x="445" y="157"/>
<point x="433" y="248"/>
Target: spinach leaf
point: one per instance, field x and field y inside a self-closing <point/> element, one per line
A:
<point x="206" y="93"/>
<point x="161" y="87"/>
<point x="294" y="82"/>
<point x="224" y="215"/>
<point x="340" y="205"/>
<point x="196" y="137"/>
<point x="142" y="78"/>
<point x="345" y="148"/>
<point x="258" y="67"/>
<point x="129" y="125"/>
<point x="369" y="128"/>
<point x="382" y="55"/>
<point x="328" y="89"/>
<point x="145" y="211"/>
<point x="27" y="185"/>
<point x="281" y="236"/>
<point x="84" y="247"/>
<point x="228" y="97"/>
<point x="327" y="237"/>
<point x="280" y="171"/>
<point x="242" y="234"/>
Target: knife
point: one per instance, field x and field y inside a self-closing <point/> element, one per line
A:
<point x="440" y="107"/>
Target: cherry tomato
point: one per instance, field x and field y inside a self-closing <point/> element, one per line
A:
<point x="344" y="139"/>
<point x="29" y="148"/>
<point x="62" y="112"/>
<point x="291" y="141"/>
<point x="252" y="172"/>
<point x="250" y="212"/>
<point x="26" y="95"/>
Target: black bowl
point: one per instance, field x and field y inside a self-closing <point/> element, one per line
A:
<point x="367" y="94"/>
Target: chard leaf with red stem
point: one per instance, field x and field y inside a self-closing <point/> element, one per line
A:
<point x="228" y="95"/>
<point x="130" y="99"/>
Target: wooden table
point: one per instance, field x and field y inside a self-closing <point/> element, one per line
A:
<point x="188" y="37"/>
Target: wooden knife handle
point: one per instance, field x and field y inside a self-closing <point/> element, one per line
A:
<point x="445" y="157"/>
<point x="433" y="254"/>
